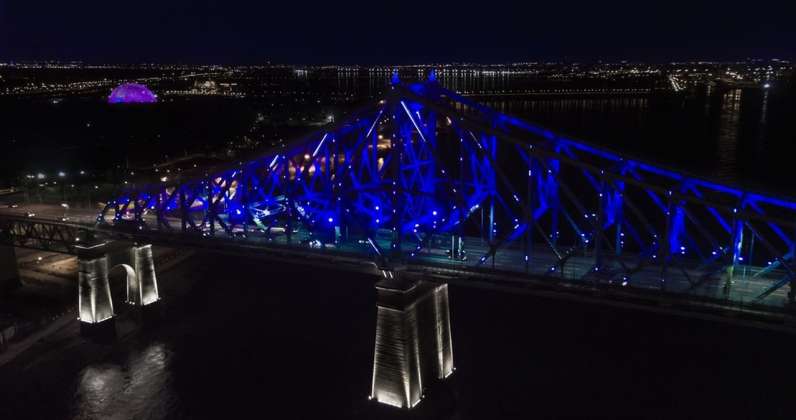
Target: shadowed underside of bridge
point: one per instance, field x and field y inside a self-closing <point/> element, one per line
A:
<point x="427" y="176"/>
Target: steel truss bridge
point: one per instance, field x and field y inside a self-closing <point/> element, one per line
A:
<point x="430" y="178"/>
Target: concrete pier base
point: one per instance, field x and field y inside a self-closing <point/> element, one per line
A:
<point x="152" y="314"/>
<point x="105" y="330"/>
<point x="413" y="340"/>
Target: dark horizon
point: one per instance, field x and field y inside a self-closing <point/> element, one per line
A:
<point x="235" y="32"/>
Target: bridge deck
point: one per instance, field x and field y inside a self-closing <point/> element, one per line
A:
<point x="748" y="281"/>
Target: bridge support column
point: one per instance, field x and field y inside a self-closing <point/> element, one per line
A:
<point x="95" y="306"/>
<point x="141" y="285"/>
<point x="457" y="248"/>
<point x="413" y="340"/>
<point x="9" y="271"/>
<point x="143" y="290"/>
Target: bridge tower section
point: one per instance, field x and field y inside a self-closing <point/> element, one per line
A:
<point x="95" y="302"/>
<point x="142" y="285"/>
<point x="95" y="305"/>
<point x="413" y="340"/>
<point x="9" y="271"/>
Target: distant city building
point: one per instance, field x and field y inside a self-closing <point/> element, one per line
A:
<point x="207" y="86"/>
<point x="132" y="93"/>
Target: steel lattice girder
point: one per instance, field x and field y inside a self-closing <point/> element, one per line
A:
<point x="24" y="233"/>
<point x="426" y="162"/>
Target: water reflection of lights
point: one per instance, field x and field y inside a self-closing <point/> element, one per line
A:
<point x="98" y="385"/>
<point x="127" y="389"/>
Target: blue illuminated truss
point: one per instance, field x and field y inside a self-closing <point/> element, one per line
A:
<point x="429" y="174"/>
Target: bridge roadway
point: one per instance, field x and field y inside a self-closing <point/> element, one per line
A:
<point x="509" y="266"/>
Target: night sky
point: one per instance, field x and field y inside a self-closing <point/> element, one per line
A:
<point x="234" y="31"/>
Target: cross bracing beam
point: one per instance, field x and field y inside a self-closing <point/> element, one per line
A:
<point x="426" y="167"/>
<point x="33" y="234"/>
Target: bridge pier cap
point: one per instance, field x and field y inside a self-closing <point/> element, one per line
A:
<point x="91" y="250"/>
<point x="413" y="340"/>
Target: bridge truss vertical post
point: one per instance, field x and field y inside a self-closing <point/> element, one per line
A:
<point x="244" y="189"/>
<point x="528" y="245"/>
<point x="555" y="203"/>
<point x="396" y="196"/>
<point x="458" y="251"/>
<point x="183" y="211"/>
<point x="289" y="184"/>
<point x="210" y="213"/>
<point x="665" y="243"/>
<point x="737" y="248"/>
<point x="491" y="142"/>
<point x="160" y="217"/>
<point x="617" y="212"/>
<point x="138" y="209"/>
<point x="598" y="222"/>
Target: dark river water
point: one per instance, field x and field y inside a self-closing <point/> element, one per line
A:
<point x="744" y="137"/>
<point x="293" y="342"/>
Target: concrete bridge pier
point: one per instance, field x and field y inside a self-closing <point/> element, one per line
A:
<point x="137" y="261"/>
<point x="143" y="291"/>
<point x="413" y="340"/>
<point x="95" y="306"/>
<point x="95" y="299"/>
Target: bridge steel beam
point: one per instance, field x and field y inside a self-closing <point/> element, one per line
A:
<point x="95" y="305"/>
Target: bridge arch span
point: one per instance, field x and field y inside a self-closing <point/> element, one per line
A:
<point x="99" y="290"/>
<point x="130" y="282"/>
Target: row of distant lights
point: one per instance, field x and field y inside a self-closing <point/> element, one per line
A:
<point x="41" y="175"/>
<point x="61" y="174"/>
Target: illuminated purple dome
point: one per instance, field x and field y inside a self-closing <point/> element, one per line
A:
<point x="132" y="93"/>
